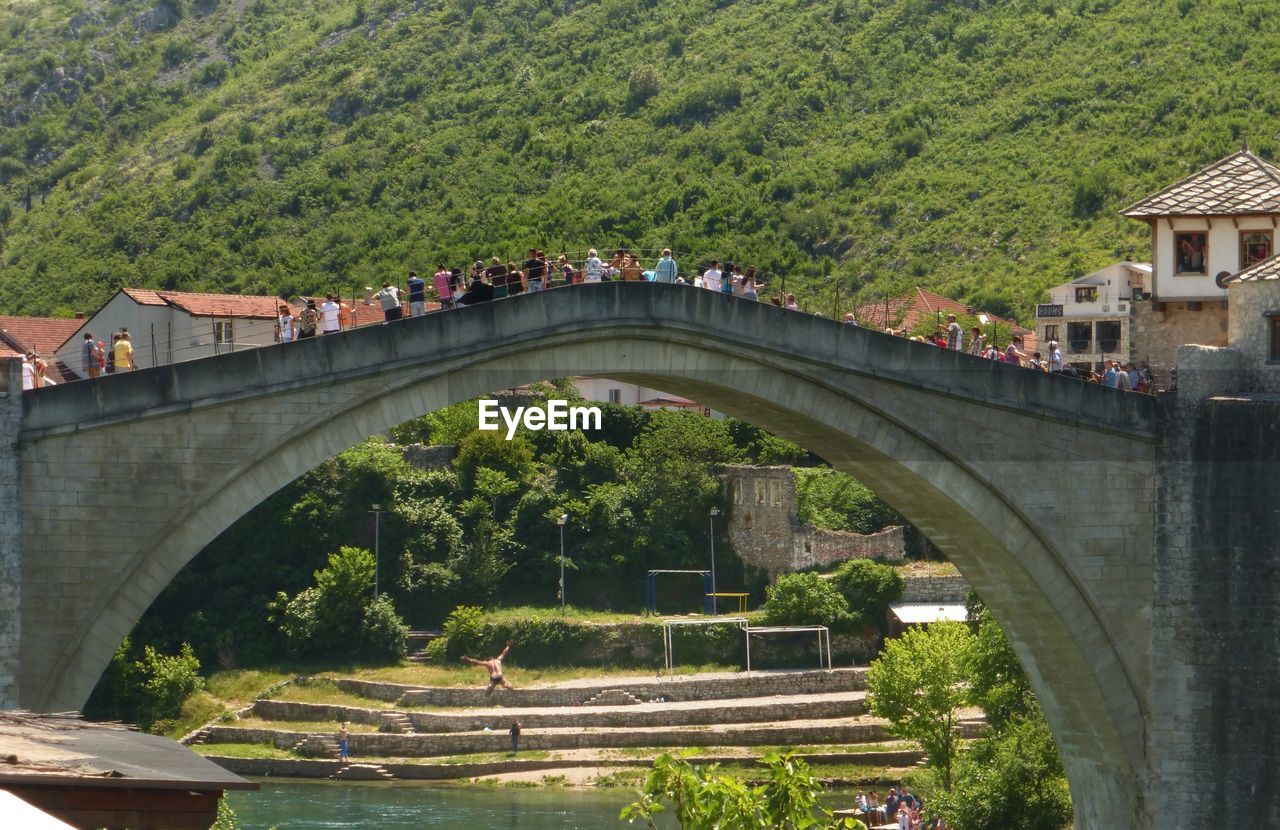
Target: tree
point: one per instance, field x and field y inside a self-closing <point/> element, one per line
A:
<point x="869" y="588"/>
<point x="805" y="599"/>
<point x="919" y="684"/>
<point x="834" y="500"/>
<point x="338" y="618"/>
<point x="997" y="681"/>
<point x="702" y="798"/>
<point x="1010" y="779"/>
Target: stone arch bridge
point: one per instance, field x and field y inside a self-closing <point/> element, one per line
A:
<point x="1043" y="491"/>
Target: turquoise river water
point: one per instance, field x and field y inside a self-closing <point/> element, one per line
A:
<point x="331" y="806"/>
<point x="320" y="805"/>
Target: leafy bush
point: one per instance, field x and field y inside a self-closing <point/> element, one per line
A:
<point x="869" y="588"/>
<point x="147" y="690"/>
<point x="1010" y="779"/>
<point x="836" y="501"/>
<point x="700" y="797"/>
<point x="338" y="618"/>
<point x="805" y="599"/>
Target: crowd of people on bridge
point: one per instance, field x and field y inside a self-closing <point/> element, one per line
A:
<point x="452" y="287"/>
<point x="1128" y="376"/>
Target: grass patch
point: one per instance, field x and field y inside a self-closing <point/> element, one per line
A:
<point x="460" y="675"/>
<point x="325" y="691"/>
<point x="492" y="757"/>
<point x="243" y="686"/>
<point x="629" y="778"/>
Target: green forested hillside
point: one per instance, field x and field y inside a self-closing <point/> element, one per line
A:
<point x="284" y="146"/>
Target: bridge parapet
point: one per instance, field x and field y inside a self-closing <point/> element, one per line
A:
<point x="597" y="312"/>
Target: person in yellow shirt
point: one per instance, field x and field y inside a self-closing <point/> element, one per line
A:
<point x="124" y="353"/>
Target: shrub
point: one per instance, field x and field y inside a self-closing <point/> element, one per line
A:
<point x="805" y="599"/>
<point x="869" y="588"/>
<point x="338" y="618"/>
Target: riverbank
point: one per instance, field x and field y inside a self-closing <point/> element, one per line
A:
<point x="596" y="731"/>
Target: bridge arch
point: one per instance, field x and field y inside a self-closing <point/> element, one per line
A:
<point x="974" y="453"/>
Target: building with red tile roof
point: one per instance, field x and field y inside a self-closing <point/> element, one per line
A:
<point x="43" y="335"/>
<point x="921" y="307"/>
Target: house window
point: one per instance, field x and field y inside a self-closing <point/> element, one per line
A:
<point x="775" y="489"/>
<point x="759" y="491"/>
<point x="1087" y="295"/>
<point x="222" y="331"/>
<point x="737" y="491"/>
<point x="615" y="396"/>
<point x="1191" y="252"/>
<point x="1274" y="326"/>
<point x="1255" y="246"/>
<point x="1050" y="333"/>
<point x="1079" y="337"/>
<point x="1108" y="336"/>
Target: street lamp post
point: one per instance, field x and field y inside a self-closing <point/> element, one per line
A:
<point x="564" y="517"/>
<point x="715" y="511"/>
<point x="377" y="540"/>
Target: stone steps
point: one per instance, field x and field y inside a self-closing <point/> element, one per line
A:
<point x="740" y="710"/>
<point x="701" y="687"/>
<point x="362" y="772"/>
<point x="612" y="697"/>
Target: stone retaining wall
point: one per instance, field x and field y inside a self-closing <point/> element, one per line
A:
<point x="934" y="589"/>
<point x="756" y="684"/>
<point x="586" y="718"/>
<point x="386" y="745"/>
<point x="278" y="768"/>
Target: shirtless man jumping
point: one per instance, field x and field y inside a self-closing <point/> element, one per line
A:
<point x="494" y="665"/>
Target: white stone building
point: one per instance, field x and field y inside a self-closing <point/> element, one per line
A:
<point x="607" y="390"/>
<point x="170" y="326"/>
<point x="1089" y="316"/>
<point x="1254" y="330"/>
<point x="1204" y="228"/>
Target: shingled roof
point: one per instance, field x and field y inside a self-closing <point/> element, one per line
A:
<point x="1241" y="183"/>
<point x="1267" y="269"/>
<point x="44" y="335"/>
<point x="919" y="304"/>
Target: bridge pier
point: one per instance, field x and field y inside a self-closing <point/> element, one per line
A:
<point x="1213" y="737"/>
<point x="10" y="529"/>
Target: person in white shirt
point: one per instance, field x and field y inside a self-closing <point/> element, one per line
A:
<point x="329" y="315"/>
<point x="711" y="277"/>
<point x="28" y="373"/>
<point x="593" y="268"/>
<point x="1055" y="357"/>
<point x="285" y="324"/>
<point x="955" y="334"/>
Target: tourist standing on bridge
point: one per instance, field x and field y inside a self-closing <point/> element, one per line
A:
<point x="417" y="295"/>
<point x="750" y="291"/>
<point x="631" y="270"/>
<point x="593" y="268"/>
<point x="443" y="281"/>
<point x="28" y="371"/>
<point x="479" y="291"/>
<point x="535" y="270"/>
<point x="124" y="353"/>
<point x="330" y="315"/>
<point x="665" y="270"/>
<point x="1055" y="357"/>
<point x="955" y="334"/>
<point x="727" y="279"/>
<point x="977" y="343"/>
<point x="284" y="325"/>
<point x="389" y="299"/>
<point x="308" y="320"/>
<point x="91" y="356"/>
<point x="711" y="276"/>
